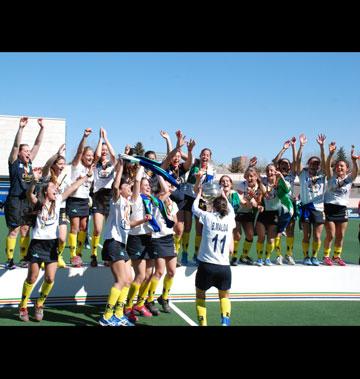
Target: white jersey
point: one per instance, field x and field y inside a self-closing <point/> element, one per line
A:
<point x="171" y="211"/>
<point x="312" y="189"/>
<point x="248" y="193"/>
<point x="83" y="192"/>
<point x="338" y="190"/>
<point x="46" y="225"/>
<point x="270" y="199"/>
<point x="138" y="213"/>
<point x="290" y="179"/>
<point x="217" y="235"/>
<point x="103" y="176"/>
<point x="117" y="224"/>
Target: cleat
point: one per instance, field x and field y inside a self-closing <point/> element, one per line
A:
<point x="122" y="321"/>
<point x="307" y="261"/>
<point x="315" y="261"/>
<point x="39" y="313"/>
<point x="142" y="310"/>
<point x="151" y="307"/>
<point x="233" y="261"/>
<point x="279" y="260"/>
<point x="23" y="263"/>
<point x="184" y="258"/>
<point x="94" y="261"/>
<point x="327" y="261"/>
<point x="165" y="304"/>
<point x="76" y="261"/>
<point x="268" y="262"/>
<point x="131" y="316"/>
<point x="104" y="322"/>
<point x="289" y="260"/>
<point x="195" y="261"/>
<point x="24" y="314"/>
<point x="106" y="263"/>
<point x="339" y="261"/>
<point x="225" y="321"/>
<point x="259" y="262"/>
<point x="246" y="260"/>
<point x="61" y="262"/>
<point x="10" y="265"/>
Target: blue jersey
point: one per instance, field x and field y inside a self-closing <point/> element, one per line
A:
<point x="20" y="178"/>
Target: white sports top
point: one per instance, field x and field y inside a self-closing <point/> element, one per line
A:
<point x="247" y="192"/>
<point x="84" y="190"/>
<point x="217" y="235"/>
<point x="271" y="199"/>
<point x="103" y="176"/>
<point x="117" y="225"/>
<point x="338" y="190"/>
<point x="312" y="189"/>
<point x="137" y="213"/>
<point x="172" y="209"/>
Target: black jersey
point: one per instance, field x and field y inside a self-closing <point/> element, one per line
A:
<point x="20" y="178"/>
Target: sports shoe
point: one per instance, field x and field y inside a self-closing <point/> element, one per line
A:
<point x="143" y="311"/>
<point x="259" y="262"/>
<point x="225" y="321"/>
<point x="23" y="263"/>
<point x="122" y="321"/>
<point x="104" y="322"/>
<point x="76" y="261"/>
<point x="150" y="305"/>
<point x="339" y="261"/>
<point x="327" y="261"/>
<point x="94" y="261"/>
<point x="279" y="260"/>
<point x="106" y="263"/>
<point x="233" y="261"/>
<point x="195" y="261"/>
<point x="178" y="264"/>
<point x="24" y="314"/>
<point x="315" y="261"/>
<point x="307" y="261"/>
<point x="289" y="260"/>
<point x="61" y="262"/>
<point x="39" y="313"/>
<point x="129" y="313"/>
<point x="268" y="262"/>
<point x="246" y="260"/>
<point x="10" y="265"/>
<point x="165" y="304"/>
<point x="184" y="258"/>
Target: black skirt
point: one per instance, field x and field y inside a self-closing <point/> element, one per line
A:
<point x="42" y="251"/>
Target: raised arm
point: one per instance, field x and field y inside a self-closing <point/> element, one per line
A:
<point x="39" y="138"/>
<point x="282" y="151"/>
<point x="136" y="188"/>
<point x="51" y="160"/>
<point x="97" y="153"/>
<point x="293" y="148"/>
<point x="15" y="149"/>
<point x="166" y="136"/>
<point x="74" y="186"/>
<point x="81" y="146"/>
<point x="189" y="160"/>
<point x="109" y="146"/>
<point x="37" y="172"/>
<point x="332" y="149"/>
<point x="303" y="141"/>
<point x="180" y="142"/>
<point x="354" y="159"/>
<point x="321" y="141"/>
<point x="119" y="168"/>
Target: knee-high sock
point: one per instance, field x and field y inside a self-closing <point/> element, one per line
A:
<point x="94" y="244"/>
<point x="177" y="243"/>
<point x="236" y="247"/>
<point x="24" y="244"/>
<point x="119" y="308"/>
<point x="133" y="291"/>
<point x="201" y="312"/>
<point x="289" y="246"/>
<point x="143" y="293"/>
<point x="197" y="244"/>
<point x="10" y="247"/>
<point x="327" y="252"/>
<point x="26" y="292"/>
<point x="225" y="307"/>
<point x="113" y="297"/>
<point x="185" y="241"/>
<point x="246" y="247"/>
<point x="305" y="247"/>
<point x="278" y="245"/>
<point x="315" y="248"/>
<point x="337" y="251"/>
<point x="61" y="247"/>
<point x="80" y="242"/>
<point x="152" y="288"/>
<point x="168" y="281"/>
<point x="72" y="239"/>
<point x="269" y="249"/>
<point x="44" y="292"/>
<point x="259" y="249"/>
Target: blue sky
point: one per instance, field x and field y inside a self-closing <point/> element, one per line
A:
<point x="234" y="103"/>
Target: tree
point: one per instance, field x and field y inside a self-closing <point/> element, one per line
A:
<point x="139" y="149"/>
<point x="341" y="155"/>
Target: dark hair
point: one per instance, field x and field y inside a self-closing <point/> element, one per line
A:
<point x="313" y="157"/>
<point x="206" y="148"/>
<point x="21" y="146"/>
<point x="342" y="160"/>
<point x="225" y="176"/>
<point x="149" y="152"/>
<point x="221" y="206"/>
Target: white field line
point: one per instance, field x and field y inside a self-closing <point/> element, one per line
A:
<point x="183" y="315"/>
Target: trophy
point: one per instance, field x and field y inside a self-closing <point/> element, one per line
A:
<point x="210" y="191"/>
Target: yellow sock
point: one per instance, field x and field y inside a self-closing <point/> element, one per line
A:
<point x="94" y="244"/>
<point x="278" y="245"/>
<point x="152" y="288"/>
<point x="225" y="307"/>
<point x="72" y="244"/>
<point x="143" y="293"/>
<point x="177" y="242"/>
<point x="119" y="308"/>
<point x="167" y="286"/>
<point x="61" y="247"/>
<point x="26" y="292"/>
<point x="289" y="246"/>
<point x="133" y="291"/>
<point x="44" y="292"/>
<point x="201" y="312"/>
<point x="113" y="297"/>
<point x="305" y="247"/>
<point x="269" y="249"/>
<point x="259" y="249"/>
<point x="315" y="248"/>
<point x="10" y="247"/>
<point x="24" y="244"/>
<point x="236" y="247"/>
<point x="81" y="237"/>
<point x="197" y="244"/>
<point x="185" y="241"/>
<point x="247" y="247"/>
<point x="337" y="251"/>
<point x="327" y="252"/>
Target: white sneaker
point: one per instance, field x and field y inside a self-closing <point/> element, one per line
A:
<point x="289" y="260"/>
<point x="279" y="260"/>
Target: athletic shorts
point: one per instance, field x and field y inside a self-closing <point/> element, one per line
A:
<point x="245" y="217"/>
<point x="18" y="211"/>
<point x="42" y="251"/>
<point x="179" y="198"/>
<point x="314" y="216"/>
<point x="77" y="207"/>
<point x="114" y="251"/>
<point x="283" y="222"/>
<point x="212" y="275"/>
<point x="336" y="213"/>
<point x="188" y="203"/>
<point x="164" y="247"/>
<point x="269" y="217"/>
<point x="63" y="220"/>
<point x="101" y="201"/>
<point x="139" y="246"/>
